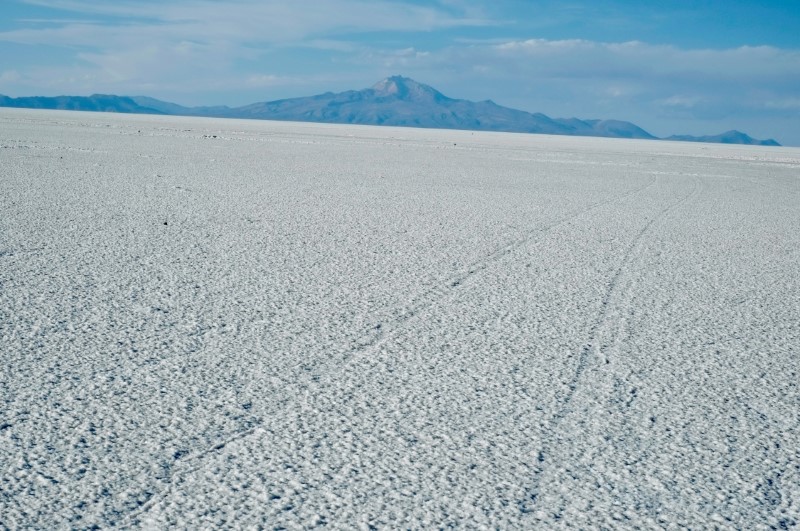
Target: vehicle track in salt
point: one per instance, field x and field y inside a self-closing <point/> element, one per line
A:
<point x="591" y="349"/>
<point x="381" y="333"/>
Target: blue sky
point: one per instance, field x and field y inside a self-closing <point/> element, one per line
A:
<point x="695" y="67"/>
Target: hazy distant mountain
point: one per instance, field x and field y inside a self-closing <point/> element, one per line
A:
<point x="95" y="102"/>
<point x="404" y="102"/>
<point x="166" y="107"/>
<point x="396" y="100"/>
<point x="729" y="137"/>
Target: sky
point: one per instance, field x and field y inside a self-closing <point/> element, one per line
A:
<point x="671" y="67"/>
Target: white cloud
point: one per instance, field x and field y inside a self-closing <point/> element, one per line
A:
<point x="10" y="76"/>
<point x="267" y="21"/>
<point x="270" y="80"/>
<point x="198" y="43"/>
<point x="638" y="58"/>
<point x="783" y="104"/>
<point x="681" y="101"/>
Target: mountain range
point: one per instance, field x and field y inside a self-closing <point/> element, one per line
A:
<point x="396" y="100"/>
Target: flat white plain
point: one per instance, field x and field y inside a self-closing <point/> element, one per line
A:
<point x="217" y="323"/>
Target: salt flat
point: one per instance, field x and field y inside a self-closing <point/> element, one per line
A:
<point x="217" y="323"/>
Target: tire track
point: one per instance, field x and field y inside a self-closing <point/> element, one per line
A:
<point x="436" y="294"/>
<point x="382" y="332"/>
<point x="592" y="350"/>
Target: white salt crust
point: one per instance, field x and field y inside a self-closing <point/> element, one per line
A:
<point x="239" y="324"/>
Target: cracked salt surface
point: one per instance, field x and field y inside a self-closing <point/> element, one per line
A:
<point x="218" y="323"/>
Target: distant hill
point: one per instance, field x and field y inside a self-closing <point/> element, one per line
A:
<point x="95" y="102"/>
<point x="396" y="100"/>
<point x="728" y="137"/>
<point x="165" y="107"/>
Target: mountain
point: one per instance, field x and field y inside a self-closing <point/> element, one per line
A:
<point x="402" y="101"/>
<point x="396" y="100"/>
<point x="95" y="102"/>
<point x="166" y="107"/>
<point x="728" y="137"/>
